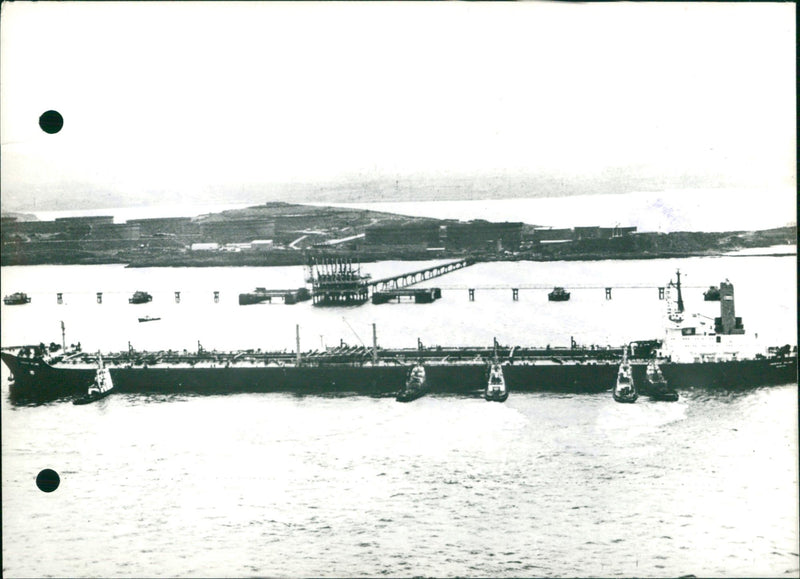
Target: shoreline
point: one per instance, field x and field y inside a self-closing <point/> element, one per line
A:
<point x="299" y="259"/>
<point x="286" y="234"/>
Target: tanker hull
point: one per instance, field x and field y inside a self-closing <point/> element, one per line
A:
<point x="736" y="374"/>
<point x="37" y="380"/>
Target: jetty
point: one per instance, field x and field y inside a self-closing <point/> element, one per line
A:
<point x="402" y="280"/>
<point x="338" y="282"/>
<point x="261" y="295"/>
<point x="418" y="295"/>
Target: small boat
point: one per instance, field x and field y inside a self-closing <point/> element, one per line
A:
<point x="496" y="384"/>
<point x="17" y="299"/>
<point x="140" y="297"/>
<point x="416" y="384"/>
<point x="559" y="294"/>
<point x="656" y="385"/>
<point x="711" y="294"/>
<point x="100" y="388"/>
<point x="625" y="389"/>
<point x="148" y="319"/>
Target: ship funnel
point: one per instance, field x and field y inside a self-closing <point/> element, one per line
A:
<point x="727" y="323"/>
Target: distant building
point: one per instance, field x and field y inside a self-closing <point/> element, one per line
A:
<point x="592" y="232"/>
<point x="262" y="244"/>
<point x="554" y="241"/>
<point x="114" y="232"/>
<point x="452" y="235"/>
<point x="550" y="235"/>
<point x="237" y="230"/>
<point x="81" y="228"/>
<point x="484" y="235"/>
<point x="31" y="228"/>
<point x="616" y="231"/>
<point x="205" y="246"/>
<point x="622" y="231"/>
<point x="344" y="240"/>
<point x="421" y="234"/>
<point x="236" y="247"/>
<point x="160" y="226"/>
<point x="86" y="220"/>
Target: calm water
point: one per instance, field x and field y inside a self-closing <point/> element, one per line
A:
<point x="675" y="210"/>
<point x="280" y="485"/>
<point x="765" y="290"/>
<point x="665" y="211"/>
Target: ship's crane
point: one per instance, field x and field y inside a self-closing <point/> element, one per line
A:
<point x="354" y="332"/>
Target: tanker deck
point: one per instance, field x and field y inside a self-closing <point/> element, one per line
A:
<point x="347" y="369"/>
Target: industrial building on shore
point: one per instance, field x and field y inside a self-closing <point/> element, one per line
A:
<point x="455" y="235"/>
<point x="551" y="235"/>
<point x="280" y="226"/>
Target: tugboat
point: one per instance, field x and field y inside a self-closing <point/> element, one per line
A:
<point x="559" y="294"/>
<point x="17" y="299"/>
<point x="100" y="388"/>
<point x="625" y="389"/>
<point x="416" y="384"/>
<point x="711" y="294"/>
<point x="656" y="385"/>
<point x="140" y="297"/>
<point x="496" y="383"/>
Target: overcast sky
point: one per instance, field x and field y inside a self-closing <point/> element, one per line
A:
<point x="189" y="100"/>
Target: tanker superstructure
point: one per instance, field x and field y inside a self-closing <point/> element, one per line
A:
<point x="698" y="351"/>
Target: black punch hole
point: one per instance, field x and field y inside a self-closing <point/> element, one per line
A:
<point x="47" y="480"/>
<point x="51" y="122"/>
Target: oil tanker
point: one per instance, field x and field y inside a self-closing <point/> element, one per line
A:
<point x="694" y="352"/>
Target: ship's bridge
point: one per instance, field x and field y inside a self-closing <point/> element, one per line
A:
<point x="694" y="339"/>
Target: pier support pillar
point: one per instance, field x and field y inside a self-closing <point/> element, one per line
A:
<point x="216" y="297"/>
<point x="515" y="294"/>
<point x="471" y="295"/>
<point x="177" y="297"/>
<point x="661" y="293"/>
<point x="608" y="293"/>
<point x="59" y="298"/>
<point x="99" y="297"/>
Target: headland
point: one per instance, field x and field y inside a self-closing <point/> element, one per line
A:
<point x="282" y="234"/>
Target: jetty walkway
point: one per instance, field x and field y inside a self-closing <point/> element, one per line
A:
<point x="410" y="278"/>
